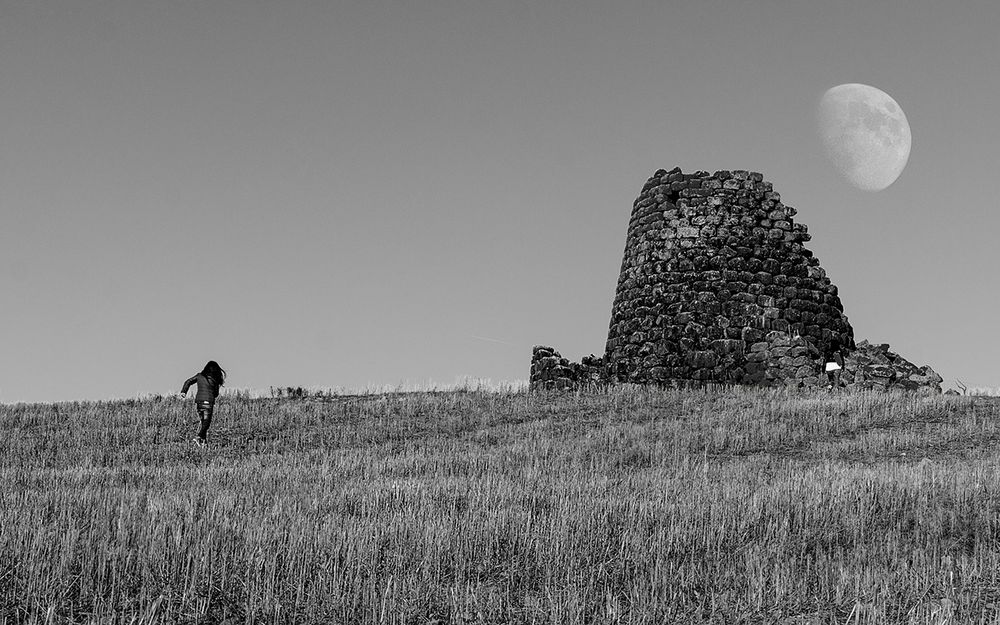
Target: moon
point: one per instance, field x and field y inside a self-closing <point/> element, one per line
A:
<point x="865" y="134"/>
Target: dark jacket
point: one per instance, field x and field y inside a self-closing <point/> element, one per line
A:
<point x="208" y="389"/>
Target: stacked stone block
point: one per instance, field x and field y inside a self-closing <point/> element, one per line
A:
<point x="876" y="367"/>
<point x="551" y="371"/>
<point x="781" y="359"/>
<point x="715" y="264"/>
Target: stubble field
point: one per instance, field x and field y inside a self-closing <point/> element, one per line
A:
<point x="624" y="505"/>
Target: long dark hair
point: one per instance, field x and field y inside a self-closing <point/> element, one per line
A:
<point x="214" y="371"/>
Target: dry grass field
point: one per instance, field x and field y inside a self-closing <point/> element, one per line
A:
<point x="627" y="505"/>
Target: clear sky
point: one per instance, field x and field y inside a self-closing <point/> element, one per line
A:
<point x="350" y="193"/>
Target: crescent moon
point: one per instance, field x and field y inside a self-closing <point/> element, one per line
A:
<point x="865" y="134"/>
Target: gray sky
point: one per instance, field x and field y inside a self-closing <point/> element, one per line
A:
<point x="352" y="193"/>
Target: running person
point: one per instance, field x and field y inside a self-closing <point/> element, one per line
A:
<point x="211" y="378"/>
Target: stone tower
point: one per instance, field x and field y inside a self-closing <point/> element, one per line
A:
<point x="716" y="284"/>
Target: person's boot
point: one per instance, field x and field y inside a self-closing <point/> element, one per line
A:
<point x="203" y="432"/>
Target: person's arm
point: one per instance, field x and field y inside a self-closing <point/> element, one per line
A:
<point x="187" y="384"/>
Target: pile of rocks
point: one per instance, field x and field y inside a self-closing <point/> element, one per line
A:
<point x="874" y="366"/>
<point x="550" y="370"/>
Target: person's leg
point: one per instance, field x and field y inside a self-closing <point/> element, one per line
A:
<point x="205" y="414"/>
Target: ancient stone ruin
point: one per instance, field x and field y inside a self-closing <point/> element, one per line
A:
<point x="874" y="366"/>
<point x="716" y="285"/>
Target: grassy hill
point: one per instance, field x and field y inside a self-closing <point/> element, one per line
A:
<point x="626" y="505"/>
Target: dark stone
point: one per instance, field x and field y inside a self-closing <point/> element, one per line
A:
<point x="717" y="285"/>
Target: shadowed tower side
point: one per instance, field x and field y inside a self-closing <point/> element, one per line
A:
<point x="717" y="285"/>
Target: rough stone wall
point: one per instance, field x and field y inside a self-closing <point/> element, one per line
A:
<point x="550" y="370"/>
<point x="714" y="266"/>
<point x="875" y="367"/>
<point x="781" y="359"/>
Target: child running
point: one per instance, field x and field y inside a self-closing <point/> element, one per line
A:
<point x="211" y="378"/>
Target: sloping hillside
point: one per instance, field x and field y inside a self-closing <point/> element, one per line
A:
<point x="633" y="504"/>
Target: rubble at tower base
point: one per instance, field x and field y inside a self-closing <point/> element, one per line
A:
<point x="790" y="362"/>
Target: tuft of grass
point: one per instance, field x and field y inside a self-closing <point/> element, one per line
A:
<point x="626" y="504"/>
